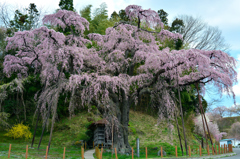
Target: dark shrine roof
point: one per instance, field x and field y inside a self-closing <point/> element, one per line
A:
<point x="101" y="122"/>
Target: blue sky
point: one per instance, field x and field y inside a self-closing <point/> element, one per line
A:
<point x="225" y="14"/>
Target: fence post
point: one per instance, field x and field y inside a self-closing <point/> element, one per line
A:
<point x="132" y="152"/>
<point x="161" y="152"/>
<point x="46" y="152"/>
<point x="200" y="150"/>
<point x="176" y="151"/>
<point x="64" y="152"/>
<point x="146" y="151"/>
<point x="219" y="148"/>
<point x="208" y="150"/>
<point x="116" y="153"/>
<point x="189" y="150"/>
<point x="93" y="144"/>
<point x="85" y="145"/>
<point x="101" y="152"/>
<point x="26" y="151"/>
<point x="9" y="150"/>
<point x="82" y="153"/>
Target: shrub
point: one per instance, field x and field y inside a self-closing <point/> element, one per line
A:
<point x="19" y="131"/>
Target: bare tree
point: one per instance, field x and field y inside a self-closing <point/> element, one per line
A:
<point x="234" y="132"/>
<point x="199" y="35"/>
<point x="220" y="110"/>
<point x="236" y="109"/>
<point x="6" y="12"/>
<point x="231" y="111"/>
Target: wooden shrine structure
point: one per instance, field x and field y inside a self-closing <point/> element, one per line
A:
<point x="99" y="135"/>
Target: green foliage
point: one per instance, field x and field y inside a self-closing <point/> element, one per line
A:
<point x="66" y="4"/>
<point x="3" y="119"/>
<point x="177" y="26"/>
<point x="100" y="21"/>
<point x="19" y="131"/>
<point x="163" y="16"/>
<point x="20" y="21"/>
<point x="115" y="17"/>
<point x="27" y="21"/>
<point x="123" y="16"/>
<point x="86" y="12"/>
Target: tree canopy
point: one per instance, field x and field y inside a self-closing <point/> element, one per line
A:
<point x="113" y="70"/>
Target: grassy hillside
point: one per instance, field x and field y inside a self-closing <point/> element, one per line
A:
<point x="224" y="124"/>
<point x="68" y="131"/>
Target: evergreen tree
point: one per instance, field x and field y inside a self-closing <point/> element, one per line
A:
<point x="114" y="16"/>
<point x="66" y="5"/>
<point x="163" y="16"/>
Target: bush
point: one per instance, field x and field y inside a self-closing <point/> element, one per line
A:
<point x="19" y="131"/>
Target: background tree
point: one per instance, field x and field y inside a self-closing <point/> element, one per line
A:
<point x="235" y="131"/>
<point x="123" y="16"/>
<point x="114" y="17"/>
<point x="100" y="21"/>
<point x="177" y="26"/>
<point x="33" y="16"/>
<point x="220" y="110"/>
<point x="86" y="13"/>
<point x="26" y="21"/>
<point x="163" y="16"/>
<point x="66" y="5"/>
<point x="197" y="34"/>
<point x="230" y="111"/>
<point x="5" y="14"/>
<point x="236" y="109"/>
<point x="213" y="127"/>
<point x="3" y="120"/>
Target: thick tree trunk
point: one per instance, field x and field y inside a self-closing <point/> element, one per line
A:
<point x="120" y="137"/>
<point x="120" y="140"/>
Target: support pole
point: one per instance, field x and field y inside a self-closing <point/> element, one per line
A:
<point x="200" y="103"/>
<point x="180" y="140"/>
<point x="179" y="96"/>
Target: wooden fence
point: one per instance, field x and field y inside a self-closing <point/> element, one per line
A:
<point x="227" y="149"/>
<point x="221" y="150"/>
<point x="46" y="156"/>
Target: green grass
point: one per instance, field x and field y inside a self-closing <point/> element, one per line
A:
<point x="19" y="151"/>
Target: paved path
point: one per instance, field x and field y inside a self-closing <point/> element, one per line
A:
<point x="237" y="151"/>
<point x="89" y="154"/>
